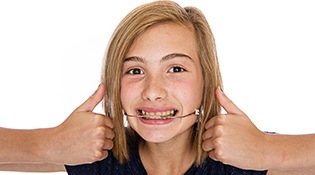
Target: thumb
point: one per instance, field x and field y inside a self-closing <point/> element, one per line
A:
<point x="93" y="100"/>
<point x="226" y="103"/>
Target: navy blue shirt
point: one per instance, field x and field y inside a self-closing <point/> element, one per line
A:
<point x="111" y="166"/>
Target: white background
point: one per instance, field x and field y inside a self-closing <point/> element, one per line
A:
<point x="51" y="54"/>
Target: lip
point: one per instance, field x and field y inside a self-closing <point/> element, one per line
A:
<point x="156" y="110"/>
<point x="158" y="113"/>
<point x="156" y="121"/>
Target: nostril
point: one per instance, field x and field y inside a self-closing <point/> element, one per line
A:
<point x="153" y="98"/>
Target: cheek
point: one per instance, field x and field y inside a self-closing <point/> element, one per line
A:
<point x="126" y="94"/>
<point x="190" y="93"/>
<point x="132" y="122"/>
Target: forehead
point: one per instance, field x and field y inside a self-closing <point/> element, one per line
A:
<point x="165" y="38"/>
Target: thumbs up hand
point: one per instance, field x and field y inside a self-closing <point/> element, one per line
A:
<point x="233" y="139"/>
<point x="84" y="137"/>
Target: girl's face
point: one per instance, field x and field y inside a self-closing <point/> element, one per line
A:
<point x="162" y="75"/>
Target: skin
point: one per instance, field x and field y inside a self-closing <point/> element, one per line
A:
<point x="219" y="137"/>
<point x="280" y="154"/>
<point x="84" y="137"/>
<point x="155" y="79"/>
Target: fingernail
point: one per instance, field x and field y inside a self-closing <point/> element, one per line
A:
<point x="220" y="88"/>
<point x="98" y="87"/>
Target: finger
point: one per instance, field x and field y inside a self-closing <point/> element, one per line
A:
<point x="211" y="122"/>
<point x="102" y="120"/>
<point x="226" y="103"/>
<point x="108" y="145"/>
<point x="207" y="145"/>
<point x="93" y="100"/>
<point x="212" y="155"/>
<point x="109" y="133"/>
<point x="108" y="122"/>
<point x="207" y="134"/>
<point x="100" y="155"/>
<point x="103" y="133"/>
<point x="105" y="154"/>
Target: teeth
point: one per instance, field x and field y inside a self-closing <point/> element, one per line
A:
<point x="158" y="115"/>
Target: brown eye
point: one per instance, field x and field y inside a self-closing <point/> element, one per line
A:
<point x="135" y="71"/>
<point x="177" y="69"/>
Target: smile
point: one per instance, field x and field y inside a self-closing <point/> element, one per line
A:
<point x="157" y="115"/>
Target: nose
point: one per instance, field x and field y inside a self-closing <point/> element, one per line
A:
<point x="154" y="89"/>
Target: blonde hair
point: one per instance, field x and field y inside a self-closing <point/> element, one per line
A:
<point x="133" y="25"/>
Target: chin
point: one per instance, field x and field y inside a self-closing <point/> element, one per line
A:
<point x="156" y="136"/>
<point x="155" y="139"/>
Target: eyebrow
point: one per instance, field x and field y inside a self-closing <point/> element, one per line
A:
<point x="164" y="58"/>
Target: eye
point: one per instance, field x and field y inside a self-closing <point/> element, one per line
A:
<point x="135" y="71"/>
<point x="176" y="69"/>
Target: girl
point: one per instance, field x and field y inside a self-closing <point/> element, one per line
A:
<point x="161" y="73"/>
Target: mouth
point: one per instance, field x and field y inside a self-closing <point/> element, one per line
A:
<point x="157" y="115"/>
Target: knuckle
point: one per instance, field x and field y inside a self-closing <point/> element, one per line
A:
<point x="100" y="132"/>
<point x="218" y="130"/>
<point x="99" y="144"/>
<point x="100" y="149"/>
<point x="212" y="156"/>
<point x="217" y="143"/>
<point x="99" y="119"/>
<point x="218" y="154"/>
<point x="97" y="150"/>
<point x="97" y="155"/>
<point x="103" y="120"/>
<point x="222" y="118"/>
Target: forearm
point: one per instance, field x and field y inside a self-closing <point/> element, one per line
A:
<point x="23" y="146"/>
<point x="36" y="167"/>
<point x="292" y="152"/>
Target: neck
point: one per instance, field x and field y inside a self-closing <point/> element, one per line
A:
<point x="172" y="157"/>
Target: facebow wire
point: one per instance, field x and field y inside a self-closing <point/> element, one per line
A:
<point x="196" y="112"/>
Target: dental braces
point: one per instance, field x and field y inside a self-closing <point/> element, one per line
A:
<point x="196" y="112"/>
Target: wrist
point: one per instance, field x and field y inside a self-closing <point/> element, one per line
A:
<point x="42" y="149"/>
<point x="276" y="154"/>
